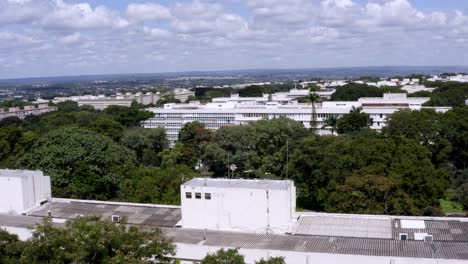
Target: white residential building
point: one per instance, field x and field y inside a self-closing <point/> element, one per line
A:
<point x="216" y="115"/>
<point x="27" y="110"/>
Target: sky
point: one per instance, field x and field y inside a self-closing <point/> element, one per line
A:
<point x="81" y="37"/>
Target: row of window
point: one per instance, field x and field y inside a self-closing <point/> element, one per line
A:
<point x="198" y="195"/>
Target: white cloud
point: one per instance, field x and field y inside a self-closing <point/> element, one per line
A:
<point x="52" y="37"/>
<point x="72" y="38"/>
<point x="147" y="12"/>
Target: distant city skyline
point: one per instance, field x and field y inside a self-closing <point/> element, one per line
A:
<point x="83" y="37"/>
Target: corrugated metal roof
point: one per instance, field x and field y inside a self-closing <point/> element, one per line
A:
<point x="449" y="230"/>
<point x="321" y="244"/>
<point x="344" y="227"/>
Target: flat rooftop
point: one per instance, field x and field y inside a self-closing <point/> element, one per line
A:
<point x="239" y="183"/>
<point x="19" y="173"/>
<point x="364" y="235"/>
<point x="135" y="214"/>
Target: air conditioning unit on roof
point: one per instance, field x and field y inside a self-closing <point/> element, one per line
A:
<point x="115" y="218"/>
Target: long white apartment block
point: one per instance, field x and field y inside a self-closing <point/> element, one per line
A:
<point x="172" y="117"/>
<point x="101" y="102"/>
<point x="26" y="111"/>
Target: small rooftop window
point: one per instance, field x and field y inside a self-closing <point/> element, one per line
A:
<point x="207" y="196"/>
<point x="197" y="195"/>
<point x="188" y="195"/>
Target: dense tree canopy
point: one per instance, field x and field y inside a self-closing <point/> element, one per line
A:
<point x="232" y="256"/>
<point x="353" y="122"/>
<point x="252" y="91"/>
<point x="448" y="93"/>
<point x="365" y="175"/>
<point x="354" y="91"/>
<point x="83" y="164"/>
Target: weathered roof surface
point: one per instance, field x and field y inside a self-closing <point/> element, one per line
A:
<point x="239" y="183"/>
<point x="18" y="220"/>
<point x="321" y="244"/>
<point x="449" y="230"/>
<point x="344" y="227"/>
<point x="134" y="214"/>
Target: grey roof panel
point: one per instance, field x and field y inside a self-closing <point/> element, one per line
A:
<point x="344" y="227"/>
<point x="155" y="216"/>
<point x="321" y="244"/>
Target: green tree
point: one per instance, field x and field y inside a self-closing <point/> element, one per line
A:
<point x="194" y="136"/>
<point x="147" y="144"/>
<point x="354" y="91"/>
<point x="68" y="106"/>
<point x="448" y="93"/>
<point x="156" y="185"/>
<point x="10" y="248"/>
<point x="425" y="126"/>
<point x="11" y="121"/>
<point x="252" y="91"/>
<point x="107" y="126"/>
<point x="222" y="256"/>
<point x="366" y="174"/>
<point x="273" y="260"/>
<point x="82" y="164"/>
<point x="91" y="240"/>
<point x="332" y="123"/>
<point x="313" y="98"/>
<point x="353" y="122"/>
<point x="127" y="116"/>
<point x="455" y="130"/>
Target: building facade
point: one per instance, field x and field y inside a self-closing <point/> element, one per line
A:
<point x="228" y="113"/>
<point x="22" y="190"/>
<point x="233" y="205"/>
<point x="100" y="102"/>
<point x="27" y="110"/>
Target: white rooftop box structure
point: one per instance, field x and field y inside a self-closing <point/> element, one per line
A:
<point x="21" y="190"/>
<point x="258" y="206"/>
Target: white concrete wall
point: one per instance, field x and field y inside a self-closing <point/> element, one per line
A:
<point x="22" y="233"/>
<point x="22" y="190"/>
<point x="11" y="195"/>
<point x="240" y="209"/>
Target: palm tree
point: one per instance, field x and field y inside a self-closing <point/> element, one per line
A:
<point x="331" y="122"/>
<point x="313" y="98"/>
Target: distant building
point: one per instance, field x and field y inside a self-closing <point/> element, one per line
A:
<point x="183" y="94"/>
<point x="234" y="205"/>
<point x="101" y="102"/>
<point x="22" y="190"/>
<point x="27" y="110"/>
<point x="241" y="111"/>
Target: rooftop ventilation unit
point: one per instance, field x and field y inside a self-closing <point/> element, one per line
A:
<point x="428" y="238"/>
<point x="115" y="218"/>
<point x="403" y="236"/>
